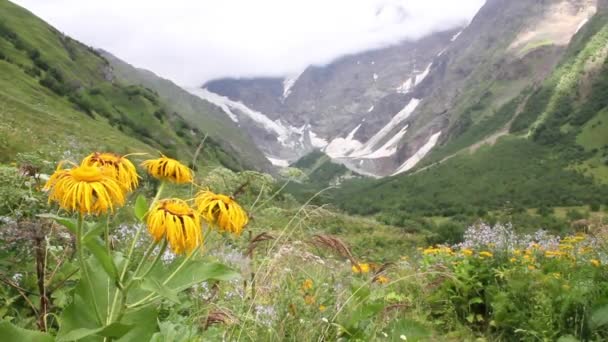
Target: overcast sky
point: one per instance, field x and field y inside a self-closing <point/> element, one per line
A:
<point x="191" y="41"/>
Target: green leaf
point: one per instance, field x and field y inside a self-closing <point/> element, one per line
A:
<point x="412" y="330"/>
<point x="155" y="286"/>
<point x="144" y="322"/>
<point x="94" y="229"/>
<point x="567" y="338"/>
<point x="196" y="272"/>
<point x="600" y="316"/>
<point x="10" y="332"/>
<point x="114" y="330"/>
<point x="101" y="254"/>
<point x="67" y="222"/>
<point x="141" y="207"/>
<point x="475" y="300"/>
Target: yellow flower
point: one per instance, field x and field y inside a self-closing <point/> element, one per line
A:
<point x="322" y="308"/>
<point x="381" y="279"/>
<point x="307" y="284"/>
<point x="467" y="251"/>
<point x="430" y="251"/>
<point x="595" y="262"/>
<point x="513" y="259"/>
<point x="531" y="267"/>
<point x="360" y="268"/>
<point x="120" y="167"/>
<point x="85" y="189"/>
<point x="517" y="252"/>
<point x="556" y="275"/>
<point x="554" y="254"/>
<point x="168" y="169"/>
<point x="485" y="254"/>
<point x="174" y="220"/>
<point x="222" y="211"/>
<point x="310" y="300"/>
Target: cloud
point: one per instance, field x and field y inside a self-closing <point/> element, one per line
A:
<point x="191" y="41"/>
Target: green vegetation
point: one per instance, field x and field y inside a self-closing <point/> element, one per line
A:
<point x="57" y="94"/>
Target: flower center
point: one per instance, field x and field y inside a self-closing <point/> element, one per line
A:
<point x="177" y="209"/>
<point x="87" y="174"/>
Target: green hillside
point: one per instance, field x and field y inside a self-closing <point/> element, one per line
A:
<point x="57" y="94"/>
<point x="197" y="112"/>
<point x="555" y="155"/>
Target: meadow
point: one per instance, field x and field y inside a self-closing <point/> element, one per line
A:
<point x="167" y="257"/>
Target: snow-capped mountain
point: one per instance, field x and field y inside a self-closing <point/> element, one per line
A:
<point x="381" y="112"/>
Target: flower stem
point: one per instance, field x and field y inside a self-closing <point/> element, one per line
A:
<point x="83" y="266"/>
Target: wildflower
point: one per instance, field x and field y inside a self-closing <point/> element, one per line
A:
<point x="595" y="262"/>
<point x="402" y="337"/>
<point x="531" y="267"/>
<point x="222" y="211"/>
<point x="310" y="300"/>
<point x="554" y="254"/>
<point x="556" y="275"/>
<point x="175" y="221"/>
<point x="168" y="169"/>
<point x="513" y="259"/>
<point x="467" y="251"/>
<point x="120" y="167"/>
<point x="324" y="319"/>
<point x="517" y="252"/>
<point x="430" y="251"/>
<point x="360" y="268"/>
<point x="322" y="308"/>
<point x="485" y="254"/>
<point x="85" y="189"/>
<point x="381" y="279"/>
<point x="307" y="284"/>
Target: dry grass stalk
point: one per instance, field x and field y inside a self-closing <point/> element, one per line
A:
<point x="223" y="316"/>
<point x="334" y="244"/>
<point x="255" y="241"/>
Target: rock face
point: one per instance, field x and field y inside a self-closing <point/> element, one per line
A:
<point x="382" y="111"/>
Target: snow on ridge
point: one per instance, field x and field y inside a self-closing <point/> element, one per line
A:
<point x="366" y="149"/>
<point x="415" y="80"/>
<point x="389" y="148"/>
<point x="456" y="36"/>
<point x="425" y="73"/>
<point x="580" y="26"/>
<point x="216" y="99"/>
<point x="278" y="162"/>
<point x="289" y="82"/>
<point x="417" y="157"/>
<point x="342" y="147"/>
<point x="370" y="109"/>
<point x="285" y="134"/>
<point x="316" y="141"/>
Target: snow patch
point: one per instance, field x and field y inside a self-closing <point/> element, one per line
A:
<point x="367" y="149"/>
<point x="425" y="73"/>
<point x="278" y="162"/>
<point x="580" y="26"/>
<point x="375" y="77"/>
<point x="370" y="109"/>
<point x="390" y="147"/>
<point x="417" y="157"/>
<point x="218" y="100"/>
<point x="316" y="141"/>
<point x="342" y="147"/>
<point x="289" y="82"/>
<point x="456" y="36"/>
<point x="286" y="135"/>
<point x="415" y="80"/>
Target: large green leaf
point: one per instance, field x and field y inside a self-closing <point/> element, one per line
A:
<point x="95" y="245"/>
<point x="196" y="272"/>
<point x="94" y="229"/>
<point x="11" y="333"/>
<point x="600" y="316"/>
<point x="114" y="330"/>
<point x="67" y="222"/>
<point x="155" y="286"/>
<point x="144" y="322"/>
<point x="141" y="207"/>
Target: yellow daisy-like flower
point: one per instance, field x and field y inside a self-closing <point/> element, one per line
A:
<point x="168" y="169"/>
<point x="381" y="279"/>
<point x="310" y="300"/>
<point x="221" y="211"/>
<point x="485" y="254"/>
<point x="322" y="308"/>
<point x="307" y="284"/>
<point x="466" y="251"/>
<point x="121" y="168"/>
<point x="595" y="262"/>
<point x="360" y="268"/>
<point x="174" y="220"/>
<point x="86" y="189"/>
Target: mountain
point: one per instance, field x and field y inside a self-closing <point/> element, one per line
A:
<point x="546" y="147"/>
<point x="381" y="112"/>
<point x="200" y="113"/>
<point x="59" y="97"/>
